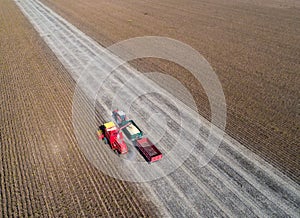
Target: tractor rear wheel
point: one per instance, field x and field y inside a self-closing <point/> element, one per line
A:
<point x="117" y="152"/>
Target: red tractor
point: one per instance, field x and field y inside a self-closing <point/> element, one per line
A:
<point x="113" y="136"/>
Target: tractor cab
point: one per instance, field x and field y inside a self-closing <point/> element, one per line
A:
<point x="119" y="117"/>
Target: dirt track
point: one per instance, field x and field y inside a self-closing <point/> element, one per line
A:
<point x="42" y="171"/>
<point x="254" y="49"/>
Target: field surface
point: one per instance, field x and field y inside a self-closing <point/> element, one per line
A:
<point x="42" y="171"/>
<point x="252" y="45"/>
<point x="236" y="182"/>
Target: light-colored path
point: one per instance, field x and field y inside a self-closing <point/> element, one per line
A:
<point x="235" y="183"/>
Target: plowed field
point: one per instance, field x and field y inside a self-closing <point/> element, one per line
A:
<point x="42" y="171"/>
<point x="253" y="48"/>
<point x="252" y="45"/>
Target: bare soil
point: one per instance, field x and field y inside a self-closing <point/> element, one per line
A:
<point x="42" y="170"/>
<point x="252" y="45"/>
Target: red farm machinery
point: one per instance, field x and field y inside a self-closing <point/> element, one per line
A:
<point x="112" y="134"/>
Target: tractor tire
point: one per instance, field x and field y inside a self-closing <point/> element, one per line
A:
<point x="116" y="152"/>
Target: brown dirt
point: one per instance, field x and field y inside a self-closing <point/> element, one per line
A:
<point x="42" y="171"/>
<point x="252" y="45"/>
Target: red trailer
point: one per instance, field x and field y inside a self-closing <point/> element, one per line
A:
<point x="148" y="149"/>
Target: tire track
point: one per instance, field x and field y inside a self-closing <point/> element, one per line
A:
<point x="180" y="192"/>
